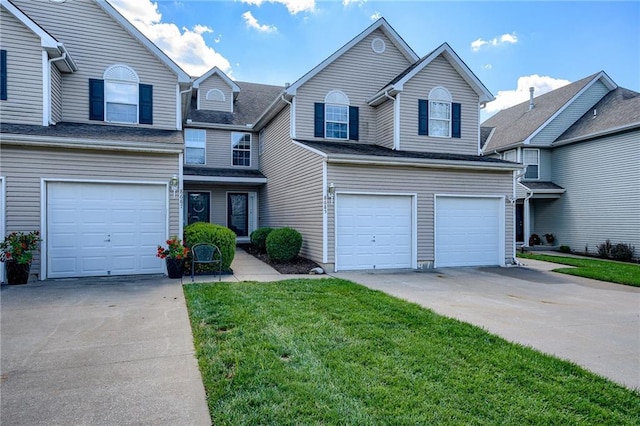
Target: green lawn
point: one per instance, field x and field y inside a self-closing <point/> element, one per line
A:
<point x="331" y="352"/>
<point x="603" y="270"/>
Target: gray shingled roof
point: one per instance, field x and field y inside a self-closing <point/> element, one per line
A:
<point x="541" y="185"/>
<point x="484" y="135"/>
<point x="515" y="124"/>
<point x="95" y="131"/>
<point x="219" y="172"/>
<point x="350" y="148"/>
<point x="252" y="101"/>
<point x="619" y="108"/>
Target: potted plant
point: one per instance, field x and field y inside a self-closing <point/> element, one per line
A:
<point x="550" y="238"/>
<point x="534" y="240"/>
<point x="174" y="255"/>
<point x="16" y="251"/>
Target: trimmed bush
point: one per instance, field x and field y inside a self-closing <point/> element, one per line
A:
<point x="604" y="249"/>
<point x="259" y="238"/>
<point x="283" y="244"/>
<point x="565" y="249"/>
<point x="221" y="236"/>
<point x="622" y="252"/>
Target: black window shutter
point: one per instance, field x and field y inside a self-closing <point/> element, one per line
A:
<point x="3" y="75"/>
<point x="354" y="123"/>
<point x="318" y="118"/>
<point x="456" y="118"/>
<point x="96" y="99"/>
<point x="145" y="106"/>
<point x="423" y="117"/>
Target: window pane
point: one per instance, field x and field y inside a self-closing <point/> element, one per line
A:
<point x="123" y="93"/>
<point x="195" y="138"/>
<point x="441" y="110"/>
<point x="337" y="113"/>
<point x="530" y="156"/>
<point x="510" y="155"/>
<point x="337" y="130"/>
<point x="532" y="172"/>
<point x="122" y="113"/>
<point x="195" y="156"/>
<point x="438" y="128"/>
<point x="241" y="158"/>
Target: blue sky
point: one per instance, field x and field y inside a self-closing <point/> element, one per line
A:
<point x="510" y="46"/>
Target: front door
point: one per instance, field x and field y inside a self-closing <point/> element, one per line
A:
<point x="238" y="213"/>
<point x="198" y="207"/>
<point x="519" y="223"/>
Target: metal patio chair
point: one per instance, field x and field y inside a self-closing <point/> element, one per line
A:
<point x="206" y="254"/>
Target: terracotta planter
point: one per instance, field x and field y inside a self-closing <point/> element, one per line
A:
<point x="17" y="273"/>
<point x="175" y="267"/>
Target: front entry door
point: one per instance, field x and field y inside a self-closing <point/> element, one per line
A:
<point x="238" y="213"/>
<point x="198" y="207"/>
<point x="519" y="223"/>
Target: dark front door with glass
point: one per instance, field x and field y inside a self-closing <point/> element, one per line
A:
<point x="238" y="213"/>
<point x="198" y="207"/>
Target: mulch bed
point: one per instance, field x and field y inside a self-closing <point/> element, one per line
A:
<point x="299" y="265"/>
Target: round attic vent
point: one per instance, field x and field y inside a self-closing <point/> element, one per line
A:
<point x="378" y="45"/>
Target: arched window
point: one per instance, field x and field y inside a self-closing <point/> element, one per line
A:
<point x="440" y="112"/>
<point x="336" y="105"/>
<point x="121" y="94"/>
<point x="215" y="95"/>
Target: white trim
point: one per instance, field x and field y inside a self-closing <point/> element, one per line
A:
<point x="101" y="145"/>
<point x="3" y="216"/>
<point x="325" y="214"/>
<point x="183" y="77"/>
<point x="195" y="178"/>
<point x="189" y="130"/>
<point x="414" y="222"/>
<point x="214" y="90"/>
<point x="381" y="24"/>
<point x="449" y="164"/>
<point x="537" y="150"/>
<point x="46" y="40"/>
<point x="44" y="208"/>
<point x="46" y="89"/>
<point x="215" y="70"/>
<point x="252" y="215"/>
<point x="181" y="195"/>
<point x="308" y="148"/>
<point x="396" y="123"/>
<point x="292" y="118"/>
<point x="501" y="227"/>
<point x="601" y="75"/>
<point x="243" y="150"/>
<point x="594" y="135"/>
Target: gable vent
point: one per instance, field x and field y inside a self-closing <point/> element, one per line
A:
<point x="378" y="45"/>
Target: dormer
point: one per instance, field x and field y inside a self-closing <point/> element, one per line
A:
<point x="215" y="91"/>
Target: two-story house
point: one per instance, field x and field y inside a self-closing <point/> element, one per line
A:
<point x="581" y="148"/>
<point x="373" y="155"/>
<point x="91" y="116"/>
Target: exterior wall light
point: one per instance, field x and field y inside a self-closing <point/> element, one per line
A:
<point x="173" y="185"/>
<point x="331" y="192"/>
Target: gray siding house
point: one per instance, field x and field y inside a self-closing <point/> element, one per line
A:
<point x="91" y="122"/>
<point x="581" y="146"/>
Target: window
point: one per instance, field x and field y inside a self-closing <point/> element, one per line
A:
<point x="510" y="155"/>
<point x="215" y="95"/>
<point x="241" y="149"/>
<point x="3" y="75"/>
<point x="261" y="142"/>
<point x="439" y="116"/>
<point x="532" y="161"/>
<point x="121" y="94"/>
<point x="195" y="142"/>
<point x="335" y="118"/>
<point x="440" y="112"/>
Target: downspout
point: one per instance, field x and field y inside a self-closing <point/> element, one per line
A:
<point x="48" y="84"/>
<point x="180" y="93"/>
<point x="396" y="138"/>
<point x="292" y="116"/>
<point x="516" y="178"/>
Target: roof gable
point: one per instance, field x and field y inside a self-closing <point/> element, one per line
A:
<point x="381" y="24"/>
<point x="444" y="50"/>
<point x="217" y="71"/>
<point x="519" y="124"/>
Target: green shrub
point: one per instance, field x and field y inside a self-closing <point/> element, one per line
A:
<point x="622" y="252"/>
<point x="283" y="244"/>
<point x="604" y="249"/>
<point x="565" y="249"/>
<point x="221" y="236"/>
<point x="259" y="238"/>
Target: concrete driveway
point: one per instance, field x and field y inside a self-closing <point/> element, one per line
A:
<point x="592" y="323"/>
<point x="114" y="351"/>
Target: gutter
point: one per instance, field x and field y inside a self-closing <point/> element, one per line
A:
<point x="597" y="134"/>
<point x="412" y="162"/>
<point x="200" y="124"/>
<point x="77" y="143"/>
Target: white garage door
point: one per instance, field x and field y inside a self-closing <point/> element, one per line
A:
<point x="373" y="232"/>
<point x="96" y="229"/>
<point x="469" y="231"/>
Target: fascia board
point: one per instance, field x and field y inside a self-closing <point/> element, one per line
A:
<point x="94" y="144"/>
<point x="196" y="178"/>
<point x="594" y="135"/>
<point x="46" y="40"/>
<point x="413" y="162"/>
<point x="215" y="70"/>
<point x="183" y="77"/>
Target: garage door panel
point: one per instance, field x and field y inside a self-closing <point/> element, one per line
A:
<point x="468" y="231"/>
<point x="374" y="231"/>
<point x="104" y="229"/>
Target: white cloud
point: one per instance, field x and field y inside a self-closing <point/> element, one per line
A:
<point x="253" y="23"/>
<point x="504" y="38"/>
<point x="293" y="6"/>
<point x="376" y="16"/>
<point x="487" y="66"/>
<point x="185" y="46"/>
<point x="508" y="98"/>
<point x="350" y="2"/>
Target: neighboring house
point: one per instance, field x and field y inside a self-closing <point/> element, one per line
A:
<point x="91" y="119"/>
<point x="581" y="146"/>
<point x="373" y="155"/>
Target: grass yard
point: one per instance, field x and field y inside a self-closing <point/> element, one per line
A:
<point x="331" y="352"/>
<point x="603" y="270"/>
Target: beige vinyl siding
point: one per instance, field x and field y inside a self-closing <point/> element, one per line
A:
<point x="425" y="183"/>
<point x="570" y="114"/>
<point x="215" y="82"/>
<point x="56" y="95"/>
<point x="24" y="72"/>
<point x="359" y="73"/>
<point x="439" y="73"/>
<point x="96" y="42"/>
<point x="602" y="198"/>
<point x="23" y="168"/>
<point x="293" y="194"/>
<point x="219" y="152"/>
<point x="384" y="133"/>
